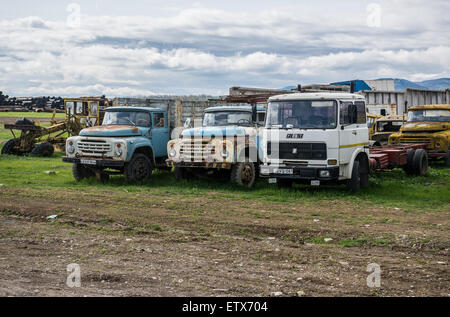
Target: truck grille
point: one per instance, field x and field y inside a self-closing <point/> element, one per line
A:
<point x="94" y="147"/>
<point x="298" y="151"/>
<point x="196" y="150"/>
<point x="415" y="140"/>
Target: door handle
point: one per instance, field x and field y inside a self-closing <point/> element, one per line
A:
<point x="354" y="132"/>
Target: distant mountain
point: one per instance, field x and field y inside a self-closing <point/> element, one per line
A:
<point x="435" y="84"/>
<point x="289" y="88"/>
<point x="442" y="83"/>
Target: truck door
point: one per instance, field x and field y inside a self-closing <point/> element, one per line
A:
<point x="160" y="134"/>
<point x="354" y="131"/>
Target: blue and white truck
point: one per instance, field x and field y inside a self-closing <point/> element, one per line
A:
<point x="228" y="140"/>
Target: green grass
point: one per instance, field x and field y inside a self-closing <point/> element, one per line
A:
<point x="43" y="115"/>
<point x="394" y="189"/>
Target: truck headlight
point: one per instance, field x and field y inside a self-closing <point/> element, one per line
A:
<point x="172" y="153"/>
<point x="118" y="151"/>
<point x="70" y="148"/>
<point x="224" y="153"/>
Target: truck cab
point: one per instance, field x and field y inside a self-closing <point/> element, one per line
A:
<point x="131" y="141"/>
<point x="316" y="138"/>
<point x="227" y="140"/>
<point x="383" y="127"/>
<point x="430" y="125"/>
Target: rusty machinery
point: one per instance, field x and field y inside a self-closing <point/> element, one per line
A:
<point x="80" y="113"/>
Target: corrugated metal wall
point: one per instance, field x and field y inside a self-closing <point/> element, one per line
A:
<point x="402" y="100"/>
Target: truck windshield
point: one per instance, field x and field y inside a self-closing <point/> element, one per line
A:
<point x="304" y="114"/>
<point x="135" y="118"/>
<point x="389" y="126"/>
<point x="224" y="118"/>
<point x="429" y="115"/>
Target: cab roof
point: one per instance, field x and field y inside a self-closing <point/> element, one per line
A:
<point x="392" y="117"/>
<point x="127" y="108"/>
<point x="316" y="96"/>
<point x="430" y="107"/>
<point x="233" y="108"/>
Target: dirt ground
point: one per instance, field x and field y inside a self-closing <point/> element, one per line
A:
<point x="160" y="244"/>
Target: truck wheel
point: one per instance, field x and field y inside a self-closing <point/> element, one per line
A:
<point x="409" y="167"/>
<point x="284" y="183"/>
<point x="8" y="147"/>
<point x="447" y="158"/>
<point x="45" y="149"/>
<point x="179" y="173"/>
<point x="420" y="162"/>
<point x="243" y="174"/>
<point x="79" y="172"/>
<point x="354" y="183"/>
<point x="139" y="168"/>
<point x="101" y="176"/>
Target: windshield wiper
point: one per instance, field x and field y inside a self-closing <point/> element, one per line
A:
<point x="130" y="121"/>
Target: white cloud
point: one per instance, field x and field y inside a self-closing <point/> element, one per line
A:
<point x="208" y="50"/>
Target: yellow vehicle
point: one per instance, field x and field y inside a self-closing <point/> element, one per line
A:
<point x="380" y="128"/>
<point x="430" y="125"/>
<point x="80" y="113"/>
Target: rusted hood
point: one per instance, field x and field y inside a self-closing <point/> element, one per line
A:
<point x="425" y="126"/>
<point x="111" y="131"/>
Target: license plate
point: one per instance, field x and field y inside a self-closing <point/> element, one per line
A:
<point x="272" y="180"/>
<point x="88" y="162"/>
<point x="284" y="171"/>
<point x="315" y="183"/>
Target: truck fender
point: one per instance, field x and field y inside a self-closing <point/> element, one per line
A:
<point x="348" y="168"/>
<point x="147" y="150"/>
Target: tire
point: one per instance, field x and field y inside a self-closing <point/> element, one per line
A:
<point x="45" y="149"/>
<point x="8" y="147"/>
<point x="409" y="167"/>
<point x="24" y="121"/>
<point x="284" y="183"/>
<point x="420" y="162"/>
<point x="364" y="173"/>
<point x="79" y="172"/>
<point x="102" y="176"/>
<point x="243" y="174"/>
<point x="179" y="173"/>
<point x="447" y="159"/>
<point x="354" y="184"/>
<point x="138" y="169"/>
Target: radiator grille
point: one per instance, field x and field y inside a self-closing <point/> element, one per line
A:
<point x="298" y="151"/>
<point x="415" y="140"/>
<point x="196" y="150"/>
<point x="94" y="148"/>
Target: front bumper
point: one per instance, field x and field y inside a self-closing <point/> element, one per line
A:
<point x="215" y="165"/>
<point x="93" y="161"/>
<point x="299" y="172"/>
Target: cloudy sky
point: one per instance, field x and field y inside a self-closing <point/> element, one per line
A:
<point x="140" y="48"/>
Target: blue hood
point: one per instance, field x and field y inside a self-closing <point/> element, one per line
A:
<point x="214" y="131"/>
<point x="113" y="131"/>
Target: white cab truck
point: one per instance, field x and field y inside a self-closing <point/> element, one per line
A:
<point x="316" y="138"/>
